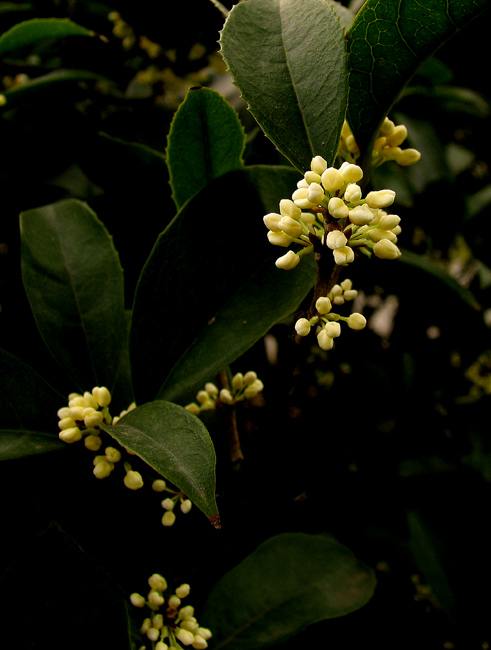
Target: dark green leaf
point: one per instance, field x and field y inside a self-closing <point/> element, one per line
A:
<point x="177" y="445"/>
<point x="74" y="282"/>
<point x="31" y="31"/>
<point x="206" y="140"/>
<point x="20" y="443"/>
<point x="290" y="67"/>
<point x="10" y="7"/>
<point x="210" y="288"/>
<point x="387" y="43"/>
<point x="289" y="582"/>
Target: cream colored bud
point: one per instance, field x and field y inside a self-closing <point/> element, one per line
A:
<point x="168" y="504"/>
<point x="155" y="598"/>
<point x="78" y="400"/>
<point x="159" y="485"/>
<point x="137" y="600"/>
<point x="357" y="321"/>
<point x="93" y="418"/>
<point x="389" y="221"/>
<point x="168" y="519"/>
<point x="174" y="602"/>
<point x="157" y="582"/>
<point x="408" y="157"/>
<point x="202" y="396"/>
<point x="345" y="130"/>
<point x="352" y="173"/>
<point x="279" y="239"/>
<point x="398" y="135"/>
<point x="308" y="218"/>
<point x="312" y="177"/>
<point x="199" y="643"/>
<point x="333" y="329"/>
<point x="288" y="261"/>
<point x="183" y="590"/>
<point x="289" y="209"/>
<point x="73" y="434"/>
<point x="93" y="443"/>
<point x="387" y="127"/>
<point x="316" y="193"/>
<point x="250" y="377"/>
<point x="337" y="290"/>
<point x="146" y="625"/>
<point x="158" y="621"/>
<point x="361" y="215"/>
<point x="185" y="636"/>
<point x="186" y="506"/>
<point x="113" y="455"/>
<point x="352" y="194"/>
<point x="271" y="221"/>
<point x="187" y="612"/>
<point x="161" y="646"/>
<point x="302" y="184"/>
<point x="64" y="413"/>
<point x="204" y="632"/>
<point x="324" y="340"/>
<point x="332" y="180"/>
<point x="238" y="381"/>
<point x="253" y="389"/>
<point x="350" y="294"/>
<point x="397" y="230"/>
<point x="336" y="239"/>
<point x="386" y="250"/>
<point x="323" y="305"/>
<point x="190" y="625"/>
<point x="67" y="423"/>
<point x="318" y="164"/>
<point x="338" y="300"/>
<point x="101" y="395"/>
<point x="380" y="199"/>
<point x="103" y="469"/>
<point x="226" y="396"/>
<point x="300" y="198"/>
<point x="76" y="412"/>
<point x="377" y="234"/>
<point x="379" y="143"/>
<point x="352" y="145"/>
<point x="290" y="227"/>
<point x="193" y="408"/>
<point x="133" y="480"/>
<point x="91" y="400"/>
<point x="337" y="208"/>
<point x="346" y="285"/>
<point x="302" y="327"/>
<point x="391" y="153"/>
<point x="343" y="256"/>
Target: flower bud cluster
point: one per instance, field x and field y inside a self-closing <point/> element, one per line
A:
<point x="242" y="387"/>
<point x="83" y="415"/>
<point x="170" y="625"/>
<point x="327" y="323"/>
<point x="349" y="221"/>
<point x="169" y="503"/>
<point x="387" y="146"/>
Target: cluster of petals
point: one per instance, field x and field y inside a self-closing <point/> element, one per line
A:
<point x="176" y="626"/>
<point x="83" y="415"/>
<point x="348" y="221"/>
<point x="242" y="387"/>
<point x="327" y="323"/>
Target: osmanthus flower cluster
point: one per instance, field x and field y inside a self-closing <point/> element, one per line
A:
<point x="328" y="209"/>
<point x="386" y="147"/>
<point x="242" y="387"/>
<point x="169" y="503"/>
<point x="327" y="323"/>
<point x="170" y="625"/>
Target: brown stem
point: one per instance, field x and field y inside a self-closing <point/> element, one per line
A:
<point x="230" y="421"/>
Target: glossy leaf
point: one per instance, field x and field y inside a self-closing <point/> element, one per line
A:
<point x="177" y="445"/>
<point x="290" y="67"/>
<point x="387" y="43"/>
<point x="74" y="282"/>
<point x="31" y="31"/>
<point x="288" y="583"/>
<point x="210" y="288"/>
<point x="20" y="443"/>
<point x="205" y="141"/>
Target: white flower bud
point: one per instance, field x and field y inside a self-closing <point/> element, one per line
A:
<point x="67" y="423"/>
<point x="336" y="239"/>
<point x="158" y="485"/>
<point x="253" y="389"/>
<point x="346" y="285"/>
<point x="376" y="235"/>
<point x="312" y="177"/>
<point x="289" y="209"/>
<point x="288" y="261"/>
<point x="168" y="504"/>
<point x="352" y="173"/>
<point x="64" y="413"/>
<point x="323" y="305"/>
<point x="337" y="290"/>
<point x="271" y="221"/>
<point x="290" y="227"/>
<point x="316" y="193"/>
<point x="174" y="601"/>
<point x="186" y="506"/>
<point x="397" y="230"/>
<point x="318" y="164"/>
<point x="90" y="400"/>
<point x="300" y="198"/>
<point x="211" y="389"/>
<point x="279" y="239"/>
<point x="92" y="418"/>
<point x="352" y="193"/>
<point x="153" y="634"/>
<point x="76" y="412"/>
<point x="161" y="646"/>
<point x="137" y="600"/>
<point x="387" y="127"/>
<point x="343" y="256"/>
<point x="333" y="330"/>
<point x="187" y="612"/>
<point x="157" y="582"/>
<point x="380" y="199"/>
<point x="103" y="469"/>
<point x="183" y="590"/>
<point x="193" y="408"/>
<point x="93" y="443"/>
<point x="324" y="340"/>
<point x="199" y="643"/>
<point x="338" y="300"/>
<point x="408" y="157"/>
<point x="332" y="180"/>
<point x="101" y="395"/>
<point x="350" y="294"/>
<point x="238" y="381"/>
<point x="302" y="327"/>
<point x="303" y="184"/>
<point x="389" y="221"/>
<point x="357" y="321"/>
<point x="361" y="215"/>
<point x="169" y="518"/>
<point x="398" y="135"/>
<point x="391" y="153"/>
<point x="202" y="396"/>
<point x="70" y="435"/>
<point x="386" y="250"/>
<point x="146" y="625"/>
<point x="204" y="632"/>
<point x="226" y="396"/>
<point x="158" y="621"/>
<point x="190" y="625"/>
<point x="133" y="480"/>
<point x="113" y="455"/>
<point x="308" y="218"/>
<point x="352" y="145"/>
<point x="78" y="400"/>
<point x="155" y="598"/>
<point x="185" y="636"/>
<point x="337" y="208"/>
<point x="250" y="377"/>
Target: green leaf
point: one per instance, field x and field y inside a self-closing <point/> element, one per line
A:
<point x="20" y="443"/>
<point x="210" y="288"/>
<point x="11" y="7"/>
<point x="177" y="445"/>
<point x="205" y="141"/>
<point x="387" y="43"/>
<point x="30" y="31"/>
<point x="290" y="67"/>
<point x="74" y="282"/>
<point x="289" y="582"/>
